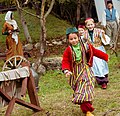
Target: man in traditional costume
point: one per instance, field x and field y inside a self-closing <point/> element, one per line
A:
<point x="110" y="21"/>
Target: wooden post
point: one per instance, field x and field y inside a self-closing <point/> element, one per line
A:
<point x="10" y="107"/>
<point x="32" y="91"/>
<point x="24" y="87"/>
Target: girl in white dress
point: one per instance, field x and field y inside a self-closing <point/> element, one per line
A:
<point x="97" y="38"/>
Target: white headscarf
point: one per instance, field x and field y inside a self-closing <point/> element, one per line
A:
<point x="12" y="22"/>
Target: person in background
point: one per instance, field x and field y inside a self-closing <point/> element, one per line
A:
<point x="97" y="38"/>
<point x="76" y="63"/>
<point x="110" y="21"/>
<point x="81" y="29"/>
<point x="13" y="44"/>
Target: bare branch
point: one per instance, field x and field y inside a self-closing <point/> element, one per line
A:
<point x="106" y="113"/>
<point x="17" y="2"/>
<point x="18" y="5"/>
<point x="50" y="8"/>
<point x="30" y="13"/>
<point x="25" y="2"/>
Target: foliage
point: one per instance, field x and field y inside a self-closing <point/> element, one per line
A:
<point x="8" y="3"/>
<point x="55" y="27"/>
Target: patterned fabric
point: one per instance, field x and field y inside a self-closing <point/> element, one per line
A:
<point x="96" y="41"/>
<point x="100" y="67"/>
<point x="82" y="81"/>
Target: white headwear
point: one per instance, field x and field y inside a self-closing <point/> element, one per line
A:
<point x="12" y="22"/>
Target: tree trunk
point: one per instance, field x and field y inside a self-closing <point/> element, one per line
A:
<point x="78" y="12"/>
<point x="25" y="28"/>
<point x="43" y="28"/>
<point x="87" y="9"/>
<point x="42" y="33"/>
<point x="24" y="23"/>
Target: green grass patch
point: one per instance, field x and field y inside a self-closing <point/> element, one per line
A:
<point x="55" y="95"/>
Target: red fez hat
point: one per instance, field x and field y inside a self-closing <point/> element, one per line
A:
<point x="81" y="26"/>
<point x="89" y="19"/>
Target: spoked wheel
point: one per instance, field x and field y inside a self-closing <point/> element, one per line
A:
<point x="14" y="62"/>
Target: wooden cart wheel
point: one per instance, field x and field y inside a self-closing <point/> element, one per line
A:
<point x="14" y="62"/>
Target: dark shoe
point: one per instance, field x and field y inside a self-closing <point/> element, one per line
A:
<point x="104" y="86"/>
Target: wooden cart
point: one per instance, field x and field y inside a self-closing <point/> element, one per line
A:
<point x="15" y="79"/>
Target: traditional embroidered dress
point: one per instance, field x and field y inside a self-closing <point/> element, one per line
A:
<point x="14" y="46"/>
<point x="82" y="79"/>
<point x="97" y="38"/>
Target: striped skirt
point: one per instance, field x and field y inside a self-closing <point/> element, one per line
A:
<point x="82" y="82"/>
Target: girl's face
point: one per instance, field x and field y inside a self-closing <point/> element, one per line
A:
<point x="81" y="31"/>
<point x="90" y="25"/>
<point x="73" y="39"/>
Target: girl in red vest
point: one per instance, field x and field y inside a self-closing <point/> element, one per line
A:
<point x="76" y="64"/>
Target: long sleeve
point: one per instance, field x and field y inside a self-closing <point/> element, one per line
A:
<point x="95" y="52"/>
<point x="67" y="60"/>
<point x="103" y="19"/>
<point x="99" y="54"/>
<point x="4" y="30"/>
<point x="104" y="38"/>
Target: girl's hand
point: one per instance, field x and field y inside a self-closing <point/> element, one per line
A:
<point x="68" y="73"/>
<point x="10" y="32"/>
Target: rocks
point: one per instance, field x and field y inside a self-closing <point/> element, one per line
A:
<point x="49" y="63"/>
<point x="56" y="43"/>
<point x="41" y="69"/>
<point x="53" y="63"/>
<point x="28" y="47"/>
<point x="37" y="45"/>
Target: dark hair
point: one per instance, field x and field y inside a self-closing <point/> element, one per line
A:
<point x="109" y="2"/>
<point x="67" y="36"/>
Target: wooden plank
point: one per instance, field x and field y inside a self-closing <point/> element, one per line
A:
<point x="24" y="87"/>
<point x="10" y="107"/>
<point x="28" y="105"/>
<point x="32" y="91"/>
<point x="14" y="74"/>
<point x="5" y="96"/>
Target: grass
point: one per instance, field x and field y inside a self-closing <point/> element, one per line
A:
<point x="55" y="95"/>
